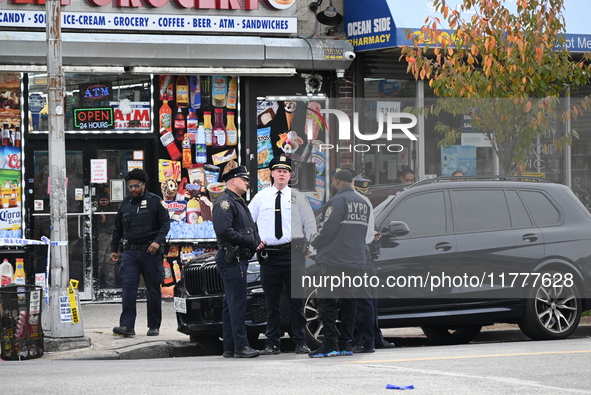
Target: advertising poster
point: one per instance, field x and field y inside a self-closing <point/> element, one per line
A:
<point x="294" y="129"/>
<point x="458" y="157"/>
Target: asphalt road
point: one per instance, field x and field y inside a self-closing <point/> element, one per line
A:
<point x="528" y="367"/>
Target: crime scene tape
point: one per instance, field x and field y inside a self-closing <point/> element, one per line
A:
<point x="73" y="301"/>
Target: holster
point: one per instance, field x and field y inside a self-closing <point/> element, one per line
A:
<point x="300" y="245"/>
<point x="232" y="254"/>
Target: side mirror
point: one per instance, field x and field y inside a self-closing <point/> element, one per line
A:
<point x="398" y="228"/>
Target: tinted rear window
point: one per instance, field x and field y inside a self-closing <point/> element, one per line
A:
<point x="480" y="210"/>
<point x="542" y="210"/>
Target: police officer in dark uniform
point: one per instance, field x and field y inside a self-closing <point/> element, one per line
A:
<point x="140" y="231"/>
<point x="341" y="253"/>
<point x="238" y="241"/>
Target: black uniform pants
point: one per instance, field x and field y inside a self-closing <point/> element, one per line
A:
<point x="329" y="301"/>
<point x="234" y="303"/>
<point x="275" y="277"/>
<point x="134" y="263"/>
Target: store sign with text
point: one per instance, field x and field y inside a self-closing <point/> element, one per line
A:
<point x="135" y="115"/>
<point x="93" y="118"/>
<point x="178" y="16"/>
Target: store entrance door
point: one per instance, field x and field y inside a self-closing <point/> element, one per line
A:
<point x="95" y="172"/>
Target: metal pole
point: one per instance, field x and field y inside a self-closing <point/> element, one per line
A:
<point x="59" y="267"/>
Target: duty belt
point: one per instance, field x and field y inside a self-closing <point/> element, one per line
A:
<point x="143" y="247"/>
<point x="279" y="247"/>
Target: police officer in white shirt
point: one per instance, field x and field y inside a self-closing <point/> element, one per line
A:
<point x="286" y="223"/>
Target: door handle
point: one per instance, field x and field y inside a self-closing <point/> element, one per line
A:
<point x="444" y="246"/>
<point x="531" y="237"/>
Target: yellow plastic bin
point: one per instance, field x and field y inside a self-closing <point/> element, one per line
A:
<point x="20" y="317"/>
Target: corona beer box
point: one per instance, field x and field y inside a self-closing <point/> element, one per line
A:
<point x="10" y="157"/>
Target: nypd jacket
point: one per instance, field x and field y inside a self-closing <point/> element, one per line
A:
<point x="141" y="221"/>
<point x="233" y="223"/>
<point x="341" y="241"/>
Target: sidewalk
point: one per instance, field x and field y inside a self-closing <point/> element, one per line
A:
<point x="100" y="318"/>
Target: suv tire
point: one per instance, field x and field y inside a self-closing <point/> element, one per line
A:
<point x="444" y="335"/>
<point x="551" y="313"/>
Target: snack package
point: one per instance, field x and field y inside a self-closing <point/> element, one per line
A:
<point x="166" y="87"/>
<point x="263" y="179"/>
<point x="264" y="147"/>
<point x="169" y="169"/>
<point x="266" y="111"/>
<point x="224" y="156"/>
<point x="196" y="175"/>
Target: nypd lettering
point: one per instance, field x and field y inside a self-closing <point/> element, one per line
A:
<point x="357" y="213"/>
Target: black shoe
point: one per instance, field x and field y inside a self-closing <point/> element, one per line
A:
<point x="246" y="352"/>
<point x="363" y="349"/>
<point x="228" y="354"/>
<point x="271" y="350"/>
<point x="153" y="332"/>
<point x="124" y="331"/>
<point x="302" y="349"/>
<point x="324" y="352"/>
<point x="385" y="344"/>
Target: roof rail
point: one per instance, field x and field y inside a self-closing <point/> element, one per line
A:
<point x="482" y="178"/>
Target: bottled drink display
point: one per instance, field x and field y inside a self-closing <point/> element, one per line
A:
<point x="165" y="118"/>
<point x="187" y="157"/>
<point x="205" y="90"/>
<point x="195" y="91"/>
<point x="231" y="131"/>
<point x="192" y="125"/>
<point x="219" y="90"/>
<point x="219" y="131"/>
<point x="19" y="272"/>
<point x="182" y="91"/>
<point x="180" y="125"/>
<point x="232" y="93"/>
<point x="207" y="127"/>
<point x="200" y="146"/>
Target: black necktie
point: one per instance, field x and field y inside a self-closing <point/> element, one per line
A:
<point x="278" y="227"/>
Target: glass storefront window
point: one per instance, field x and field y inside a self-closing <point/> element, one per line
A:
<point x="125" y="100"/>
<point x="381" y="94"/>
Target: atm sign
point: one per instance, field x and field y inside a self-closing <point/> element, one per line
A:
<point x="93" y="118"/>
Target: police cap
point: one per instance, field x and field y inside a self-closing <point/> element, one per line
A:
<point x="280" y="162"/>
<point x="239" y="171"/>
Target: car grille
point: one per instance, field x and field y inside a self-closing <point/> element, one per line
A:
<point x="203" y="280"/>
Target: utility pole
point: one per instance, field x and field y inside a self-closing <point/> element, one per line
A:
<point x="59" y="267"/>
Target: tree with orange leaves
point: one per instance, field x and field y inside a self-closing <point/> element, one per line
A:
<point x="504" y="71"/>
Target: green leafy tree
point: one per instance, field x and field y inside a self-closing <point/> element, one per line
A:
<point x="505" y="71"/>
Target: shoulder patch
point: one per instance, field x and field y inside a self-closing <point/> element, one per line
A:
<point x="328" y="212"/>
<point x="225" y="205"/>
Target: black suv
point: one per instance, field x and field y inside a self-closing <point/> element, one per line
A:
<point x="455" y="254"/>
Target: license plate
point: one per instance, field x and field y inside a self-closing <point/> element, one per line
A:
<point x="180" y="305"/>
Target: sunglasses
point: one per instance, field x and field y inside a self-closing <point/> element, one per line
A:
<point x="135" y="186"/>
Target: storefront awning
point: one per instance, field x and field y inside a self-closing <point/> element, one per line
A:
<point x="255" y="55"/>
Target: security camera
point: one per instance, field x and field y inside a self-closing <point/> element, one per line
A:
<point x="340" y="73"/>
<point x="350" y="55"/>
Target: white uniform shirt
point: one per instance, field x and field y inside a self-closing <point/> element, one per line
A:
<point x="296" y="215"/>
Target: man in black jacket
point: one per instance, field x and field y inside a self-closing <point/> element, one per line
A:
<point x="238" y="241"/>
<point x="141" y="226"/>
<point x="341" y="255"/>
